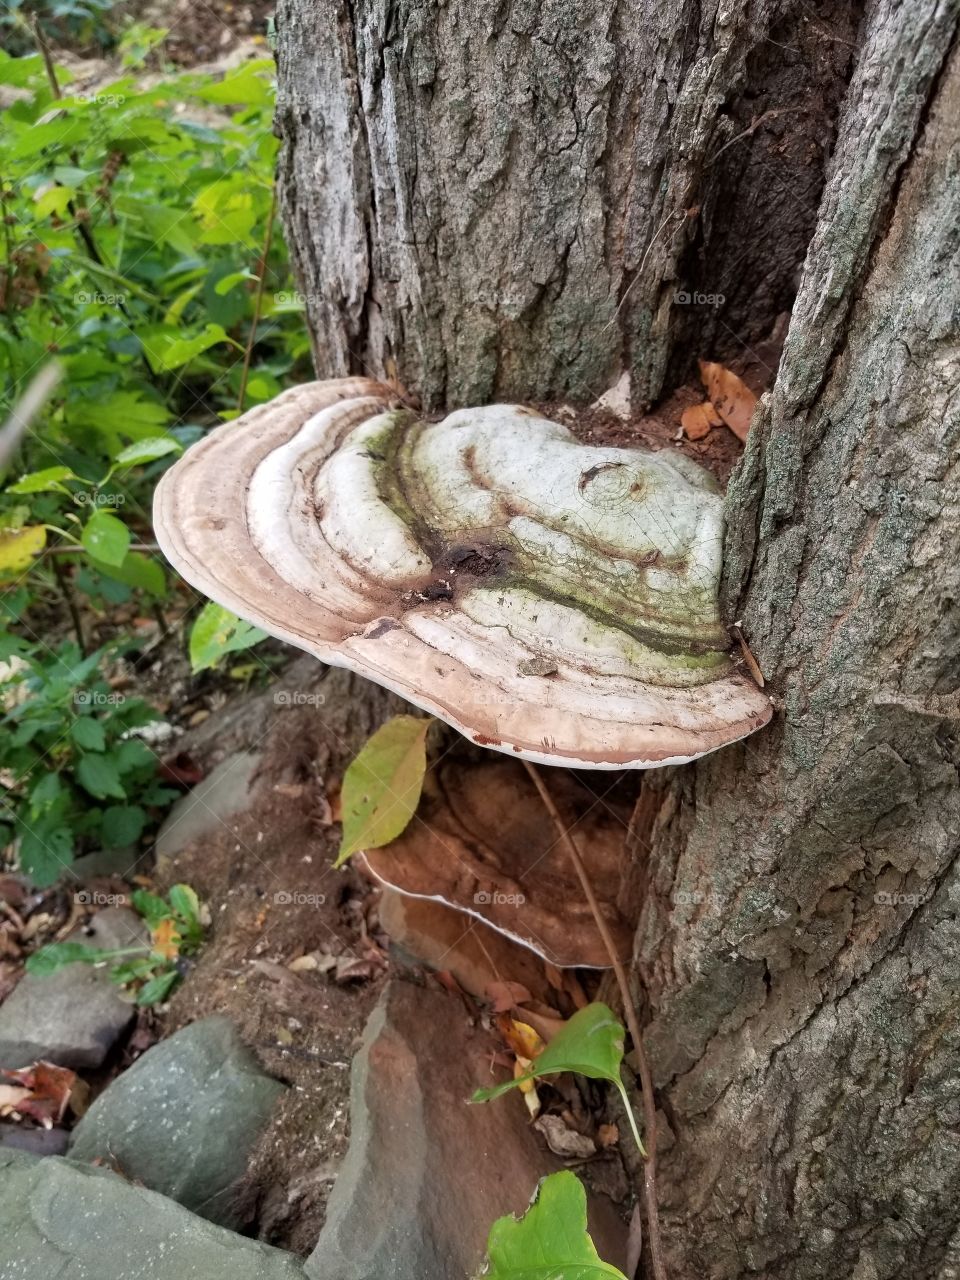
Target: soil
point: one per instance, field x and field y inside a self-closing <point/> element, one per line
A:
<point x="267" y="879"/>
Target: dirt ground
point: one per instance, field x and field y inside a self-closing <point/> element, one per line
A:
<point x="266" y="877"/>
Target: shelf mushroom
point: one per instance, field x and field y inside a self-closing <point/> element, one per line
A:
<point x="545" y="597"/>
<point x="481" y="847"/>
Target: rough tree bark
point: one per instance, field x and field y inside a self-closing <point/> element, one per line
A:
<point x="496" y="199"/>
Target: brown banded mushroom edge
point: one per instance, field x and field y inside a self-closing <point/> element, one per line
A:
<point x="546" y="598"/>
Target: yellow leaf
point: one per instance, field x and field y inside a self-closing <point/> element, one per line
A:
<point x="18" y="549"/>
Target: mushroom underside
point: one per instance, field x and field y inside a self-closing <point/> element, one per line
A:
<point x="483" y="844"/>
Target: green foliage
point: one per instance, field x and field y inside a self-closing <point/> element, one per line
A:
<point x="550" y="1241"/>
<point x="381" y="787"/>
<point x="133" y="221"/>
<point x="176" y="928"/>
<point x="74" y="777"/>
<point x="218" y="632"/>
<point x="591" y="1044"/>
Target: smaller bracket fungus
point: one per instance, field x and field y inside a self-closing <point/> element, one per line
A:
<point x="542" y="596"/>
<point x="481" y="846"/>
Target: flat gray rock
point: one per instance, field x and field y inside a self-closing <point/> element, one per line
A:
<point x="183" y="1117"/>
<point x="427" y="1174"/>
<point x="206" y="809"/>
<point x="74" y="1016"/>
<point x="64" y="1221"/>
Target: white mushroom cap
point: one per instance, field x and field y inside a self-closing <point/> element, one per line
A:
<point x="544" y="597"/>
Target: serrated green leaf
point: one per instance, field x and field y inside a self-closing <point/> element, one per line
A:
<point x="89" y="734"/>
<point x="381" y="787"/>
<point x="550" y="1241"/>
<point x="45" y="851"/>
<point x="218" y="632"/>
<point x="122" y="825"/>
<point x="106" y="538"/>
<point x="98" y="775"/>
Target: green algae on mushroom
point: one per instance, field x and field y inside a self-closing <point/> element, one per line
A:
<point x="453" y="561"/>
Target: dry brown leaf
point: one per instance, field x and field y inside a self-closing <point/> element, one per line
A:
<point x="43" y="1092"/>
<point x="730" y="396"/>
<point x="564" y="1141"/>
<point x="699" y="419"/>
<point x="608" y="1135"/>
<point x="505" y="996"/>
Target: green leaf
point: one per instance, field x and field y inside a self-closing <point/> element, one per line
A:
<point x="217" y="632"/>
<point x="180" y="351"/>
<point x="49" y="959"/>
<point x="124" y="413"/>
<point x="98" y="775"/>
<point x="591" y="1044"/>
<point x="45" y="851"/>
<point x="158" y="988"/>
<point x="550" y="1241"/>
<point x="45" y="481"/>
<point x="185" y="903"/>
<point x="146" y="451"/>
<point x="151" y="906"/>
<point x="89" y="734"/>
<point x="137" y="570"/>
<point x="106" y="538"/>
<point x="228" y="282"/>
<point x="122" y="825"/>
<point x="381" y="787"/>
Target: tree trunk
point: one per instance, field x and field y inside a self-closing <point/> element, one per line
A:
<point x="501" y="200"/>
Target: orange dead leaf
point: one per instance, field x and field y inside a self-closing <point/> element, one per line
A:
<point x="166" y="940"/>
<point x="698" y="419"/>
<point x="506" y="995"/>
<point x="730" y="395"/>
<point x="43" y="1092"/>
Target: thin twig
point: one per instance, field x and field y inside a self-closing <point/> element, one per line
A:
<point x="646" y="1079"/>
<point x="248" y="354"/>
<point x="63" y="582"/>
<point x="74" y="549"/>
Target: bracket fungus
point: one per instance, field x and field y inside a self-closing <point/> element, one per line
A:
<point x="481" y="846"/>
<point x="543" y="596"/>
